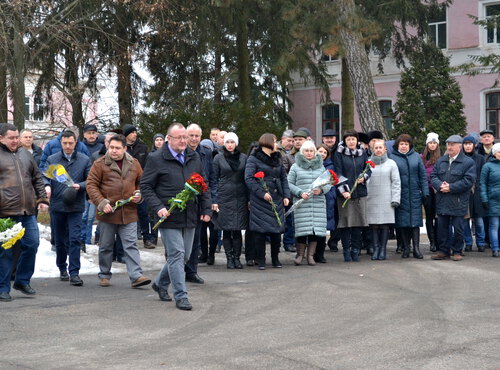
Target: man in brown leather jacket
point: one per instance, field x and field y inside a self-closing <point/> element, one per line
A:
<point x="112" y="178"/>
<point x="21" y="192"/>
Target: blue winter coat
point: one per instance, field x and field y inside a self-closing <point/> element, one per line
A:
<point x="331" y="196"/>
<point x="262" y="217"/>
<point x="413" y="188"/>
<point x="310" y="217"/>
<point x="78" y="168"/>
<point x="490" y="186"/>
<point x="54" y="146"/>
<point x="461" y="176"/>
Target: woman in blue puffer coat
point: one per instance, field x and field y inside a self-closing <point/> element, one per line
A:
<point x="490" y="195"/>
<point x="414" y="191"/>
<point x="310" y="216"/>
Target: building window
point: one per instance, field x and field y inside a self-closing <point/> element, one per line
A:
<point x="387" y="114"/>
<point x="493" y="112"/>
<point x="437" y="29"/>
<point x="27" y="110"/>
<point x="329" y="58"/>
<point x="331" y="117"/>
<point x="38" y="109"/>
<point x="493" y="30"/>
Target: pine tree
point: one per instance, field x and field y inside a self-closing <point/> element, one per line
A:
<point x="430" y="99"/>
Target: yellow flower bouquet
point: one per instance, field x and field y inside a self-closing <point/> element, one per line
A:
<point x="10" y="232"/>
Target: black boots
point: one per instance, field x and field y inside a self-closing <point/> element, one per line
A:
<point x="383" y="237"/>
<point x="237" y="244"/>
<point x="405" y="241"/>
<point x="416" y="243"/>
<point x="232" y="246"/>
<point x="376" y="243"/>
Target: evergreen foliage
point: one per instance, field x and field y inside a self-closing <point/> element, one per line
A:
<point x="429" y="99"/>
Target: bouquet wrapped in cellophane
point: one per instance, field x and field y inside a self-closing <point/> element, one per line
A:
<point x="58" y="173"/>
<point x="10" y="232"/>
<point x="328" y="177"/>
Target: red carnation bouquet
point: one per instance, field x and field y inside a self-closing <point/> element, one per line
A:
<point x="194" y="186"/>
<point x="368" y="165"/>
<point x="328" y="177"/>
<point x="260" y="176"/>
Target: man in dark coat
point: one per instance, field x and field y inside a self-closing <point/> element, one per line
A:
<point x="476" y="210"/>
<point x="164" y="176"/>
<point x="68" y="204"/>
<point x="26" y="140"/>
<point x="194" y="133"/>
<point x="22" y="188"/>
<point x="137" y="149"/>
<point x="452" y="177"/>
<point x="487" y="141"/>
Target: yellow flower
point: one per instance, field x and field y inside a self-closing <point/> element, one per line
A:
<point x="9" y="243"/>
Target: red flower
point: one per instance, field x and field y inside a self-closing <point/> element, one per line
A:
<point x="259" y="175"/>
<point x="372" y="165"/>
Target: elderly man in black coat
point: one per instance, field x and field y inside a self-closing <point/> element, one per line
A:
<point x="452" y="177"/>
<point x="164" y="176"/>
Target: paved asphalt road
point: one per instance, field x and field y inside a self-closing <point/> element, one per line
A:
<point x="393" y="314"/>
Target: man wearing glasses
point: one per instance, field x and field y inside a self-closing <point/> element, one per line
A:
<point x="164" y="176"/>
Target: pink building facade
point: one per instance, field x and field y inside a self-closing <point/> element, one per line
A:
<point x="457" y="36"/>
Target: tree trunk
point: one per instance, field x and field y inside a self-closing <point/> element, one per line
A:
<point x="123" y="71"/>
<point x="359" y="70"/>
<point x="243" y="62"/>
<point x="75" y="93"/>
<point x="347" y="99"/>
<point x="218" y="78"/>
<point x="17" y="73"/>
<point x="3" y="87"/>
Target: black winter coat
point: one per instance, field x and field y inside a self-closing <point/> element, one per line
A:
<point x="262" y="217"/>
<point x="37" y="153"/>
<point x="476" y="208"/>
<point x="139" y="151"/>
<point x="414" y="187"/>
<point x="164" y="177"/>
<point x="231" y="193"/>
<point x="350" y="164"/>
<point x="461" y="176"/>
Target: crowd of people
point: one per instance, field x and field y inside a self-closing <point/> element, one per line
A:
<point x="383" y="188"/>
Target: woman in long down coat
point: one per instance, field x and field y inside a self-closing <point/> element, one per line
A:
<point x="350" y="161"/>
<point x="384" y="195"/>
<point x="263" y="220"/>
<point x="490" y="196"/>
<point x="231" y="200"/>
<point x="414" y="191"/>
<point x="310" y="217"/>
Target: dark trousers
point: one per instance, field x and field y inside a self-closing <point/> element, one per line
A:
<point x="430" y="217"/>
<point x="191" y="267"/>
<point x="146" y="228"/>
<point x="208" y="244"/>
<point x="351" y="237"/>
<point x="289" y="235"/>
<point x="249" y="245"/>
<point x="260" y="245"/>
<point x="67" y="233"/>
<point x="457" y="240"/>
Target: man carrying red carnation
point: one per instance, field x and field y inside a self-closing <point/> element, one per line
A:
<point x="165" y="174"/>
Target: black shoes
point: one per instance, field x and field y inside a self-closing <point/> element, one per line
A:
<point x="289" y="248"/>
<point x="320" y="259"/>
<point x="63" y="276"/>
<point x="5" y="297"/>
<point x="75" y="280"/>
<point x="195" y="278"/>
<point x="250" y="263"/>
<point x="183" y="304"/>
<point x="83" y="247"/>
<point x="237" y="264"/>
<point x="210" y="260"/>
<point x="480" y="248"/>
<point x="162" y="293"/>
<point x="202" y="259"/>
<point x="494" y="254"/>
<point x="26" y="289"/>
<point x="148" y="244"/>
<point x="276" y="263"/>
<point x="468" y="248"/>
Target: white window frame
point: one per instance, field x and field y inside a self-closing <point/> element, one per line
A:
<point x="482" y="15"/>
<point x="436" y="31"/>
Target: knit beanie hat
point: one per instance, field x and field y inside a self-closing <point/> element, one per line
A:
<point x="495" y="149"/>
<point x="432" y="136"/>
<point x="128" y="129"/>
<point x="231" y="136"/>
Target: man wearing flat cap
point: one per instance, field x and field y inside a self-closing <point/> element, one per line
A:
<point x="487" y="141"/>
<point x="329" y="138"/>
<point x="452" y="178"/>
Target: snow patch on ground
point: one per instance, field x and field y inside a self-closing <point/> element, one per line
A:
<point x="46" y="259"/>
